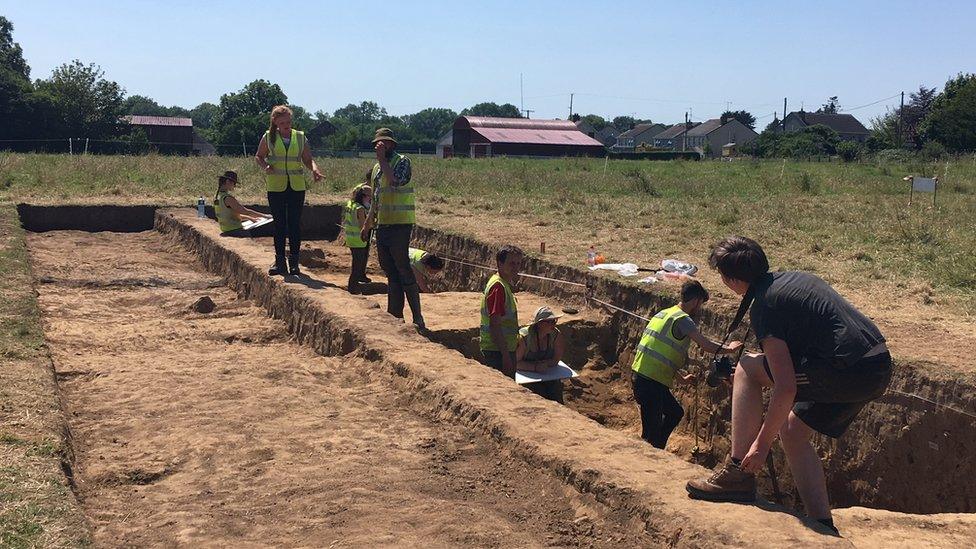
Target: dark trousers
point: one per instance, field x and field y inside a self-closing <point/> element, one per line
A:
<point x="660" y="412"/>
<point x="493" y="359"/>
<point x="286" y="208"/>
<point x="552" y="390"/>
<point x="392" y="243"/>
<point x="357" y="274"/>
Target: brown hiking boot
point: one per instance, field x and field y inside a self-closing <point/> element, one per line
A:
<point x="727" y="484"/>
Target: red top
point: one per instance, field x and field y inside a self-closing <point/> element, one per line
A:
<point x="496" y="300"/>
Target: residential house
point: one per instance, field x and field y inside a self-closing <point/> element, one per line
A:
<point x="607" y="136"/>
<point x="846" y="126"/>
<point x="639" y="134"/>
<point x="670" y="138"/>
<point x="709" y="137"/>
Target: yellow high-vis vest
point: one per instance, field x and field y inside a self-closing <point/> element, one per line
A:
<point x="286" y="163"/>
<point x="394" y="205"/>
<point x="510" y="327"/>
<point x="226" y="218"/>
<point x="659" y="353"/>
<point x="352" y="227"/>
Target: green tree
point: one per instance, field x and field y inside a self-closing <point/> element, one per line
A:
<point x="16" y="103"/>
<point x="506" y="110"/>
<point x="595" y="120"/>
<point x="11" y="54"/>
<point x="745" y="117"/>
<point x="832" y="106"/>
<point x="367" y="112"/>
<point x="952" y="120"/>
<point x="85" y="104"/>
<point x="849" y="151"/>
<point x="203" y="115"/>
<point x="243" y="115"/>
<point x="431" y="123"/>
<point x="142" y="105"/>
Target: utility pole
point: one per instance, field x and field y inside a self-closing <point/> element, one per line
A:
<point x="784" y="113"/>
<point x="521" y="95"/>
<point x="528" y="112"/>
<point x="571" y="106"/>
<point x="901" y="121"/>
<point x="728" y="106"/>
<point x="684" y="135"/>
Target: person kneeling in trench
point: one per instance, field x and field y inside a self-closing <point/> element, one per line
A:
<point x="426" y="267"/>
<point x="228" y="211"/>
<point x="822" y="357"/>
<point x="661" y="352"/>
<point x="540" y="347"/>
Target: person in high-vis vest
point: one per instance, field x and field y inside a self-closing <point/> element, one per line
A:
<point x="499" y="313"/>
<point x="540" y="347"/>
<point x="426" y="267"/>
<point x="661" y="353"/>
<point x="354" y="219"/>
<point x="283" y="154"/>
<point x="393" y="215"/>
<point x="228" y="211"/>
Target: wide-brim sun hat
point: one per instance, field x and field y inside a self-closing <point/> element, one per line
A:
<point x="544" y="313"/>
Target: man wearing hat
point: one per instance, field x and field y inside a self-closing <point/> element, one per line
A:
<point x="228" y="210"/>
<point x="540" y="347"/>
<point x="392" y="212"/>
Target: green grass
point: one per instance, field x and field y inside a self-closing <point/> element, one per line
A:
<point x="846" y="221"/>
<point x="37" y="509"/>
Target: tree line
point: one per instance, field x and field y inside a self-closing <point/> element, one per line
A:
<point x="78" y="101"/>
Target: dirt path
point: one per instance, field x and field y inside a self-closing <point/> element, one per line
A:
<point x="216" y="430"/>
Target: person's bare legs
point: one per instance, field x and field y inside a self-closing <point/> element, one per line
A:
<point x="805" y="464"/>
<point x="747" y="403"/>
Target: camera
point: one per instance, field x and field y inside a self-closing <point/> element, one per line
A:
<point x="722" y="368"/>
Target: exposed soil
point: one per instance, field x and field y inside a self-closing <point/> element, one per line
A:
<point x="217" y="430"/>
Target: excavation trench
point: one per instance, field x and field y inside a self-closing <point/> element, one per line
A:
<point x="899" y="455"/>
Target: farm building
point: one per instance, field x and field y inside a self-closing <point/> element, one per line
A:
<point x="709" y="137"/>
<point x="445" y="144"/>
<point x="846" y="126"/>
<point x="478" y="136"/>
<point x="166" y="134"/>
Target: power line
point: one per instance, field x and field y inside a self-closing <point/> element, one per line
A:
<point x="871" y="103"/>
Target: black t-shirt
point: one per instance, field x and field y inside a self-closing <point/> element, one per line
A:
<point x="811" y="317"/>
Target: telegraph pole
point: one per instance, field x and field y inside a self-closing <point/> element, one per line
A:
<point x="901" y="121"/>
<point x="784" y="113"/>
<point x="571" y="106"/>
<point x="521" y="95"/>
<point x="528" y="112"/>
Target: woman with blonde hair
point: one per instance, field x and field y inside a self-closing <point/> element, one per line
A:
<point x="284" y="154"/>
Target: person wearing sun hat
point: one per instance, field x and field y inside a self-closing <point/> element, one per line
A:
<point x="541" y="346"/>
<point x="228" y="211"/>
<point x="392" y="212"/>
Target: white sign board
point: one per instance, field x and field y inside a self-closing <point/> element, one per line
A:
<point x="923" y="184"/>
<point x="559" y="371"/>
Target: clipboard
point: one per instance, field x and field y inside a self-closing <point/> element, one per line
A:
<point x="248" y="225"/>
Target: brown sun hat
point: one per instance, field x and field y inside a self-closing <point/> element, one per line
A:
<point x="228" y="175"/>
<point x="384" y="134"/>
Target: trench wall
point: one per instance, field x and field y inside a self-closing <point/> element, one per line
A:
<point x="902" y="453"/>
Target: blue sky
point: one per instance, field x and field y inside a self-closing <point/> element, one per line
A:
<point x="647" y="59"/>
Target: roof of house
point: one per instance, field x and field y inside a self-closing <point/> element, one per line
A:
<point x="139" y="120"/>
<point x="526" y="131"/>
<point x="607" y="131"/>
<point x="705" y="127"/>
<point x="639" y="129"/>
<point x="840" y="123"/>
<point x="673" y="131"/>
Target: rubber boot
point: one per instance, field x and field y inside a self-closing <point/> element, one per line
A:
<point x="413" y="300"/>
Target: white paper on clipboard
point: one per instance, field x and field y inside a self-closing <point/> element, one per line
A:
<point x="559" y="371"/>
<point x="254" y="224"/>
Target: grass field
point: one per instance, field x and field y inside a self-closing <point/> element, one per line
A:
<point x="851" y="223"/>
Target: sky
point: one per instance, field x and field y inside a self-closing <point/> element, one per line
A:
<point x="650" y="60"/>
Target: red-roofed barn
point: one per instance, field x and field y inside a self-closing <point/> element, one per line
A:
<point x="478" y="136"/>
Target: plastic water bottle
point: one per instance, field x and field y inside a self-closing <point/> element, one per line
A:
<point x="201" y="207"/>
